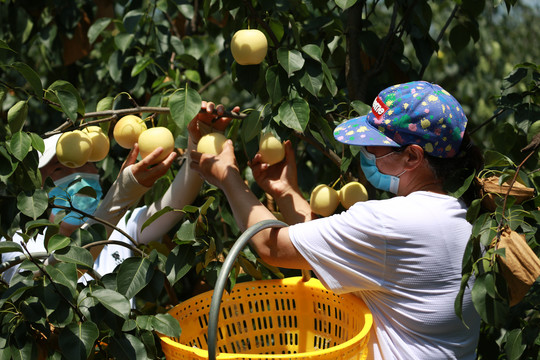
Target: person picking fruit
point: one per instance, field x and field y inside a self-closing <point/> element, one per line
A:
<point x="134" y="180"/>
<point x="401" y="255"/>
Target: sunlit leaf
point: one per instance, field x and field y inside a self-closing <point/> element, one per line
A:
<point x="184" y="105"/>
<point x="133" y="275"/>
<point x="290" y="60"/>
<point x="166" y="324"/>
<point x="33" y="205"/>
<point x="17" y="116"/>
<point x="75" y="255"/>
<point x="113" y="301"/>
<point x="20" y="145"/>
<point x="295" y="114"/>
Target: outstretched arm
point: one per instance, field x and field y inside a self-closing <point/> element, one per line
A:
<point x="272" y="245"/>
<point x="187" y="183"/>
<point x="281" y="182"/>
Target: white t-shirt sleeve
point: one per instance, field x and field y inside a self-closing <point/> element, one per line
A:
<point x="344" y="260"/>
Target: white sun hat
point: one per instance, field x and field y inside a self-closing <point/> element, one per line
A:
<point x="50" y="150"/>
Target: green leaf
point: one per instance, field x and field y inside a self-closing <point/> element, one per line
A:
<point x="295" y="114"/>
<point x="57" y="242"/>
<point x="290" y="60"/>
<point x="184" y="106"/>
<point x="313" y="51"/>
<point x="17" y="116"/>
<point x="97" y="28"/>
<point x="515" y="345"/>
<point x="345" y="4"/>
<point x="459" y="37"/>
<point x="178" y="263"/>
<point x="312" y="79"/>
<point x="492" y="311"/>
<point x="31" y="76"/>
<point x="123" y="41"/>
<point x="251" y="126"/>
<point x="20" y="145"/>
<point x="329" y="80"/>
<point x="64" y="274"/>
<point x="360" y="107"/>
<point x="77" y="340"/>
<point x="127" y="347"/>
<point x="275" y="85"/>
<point x="10" y="246"/>
<point x="69" y="98"/>
<point x="496" y="159"/>
<point x="133" y="275"/>
<point x="166" y="324"/>
<point x="75" y="255"/>
<point x="117" y="303"/>
<point x="33" y="205"/>
<point x="141" y="65"/>
<point x="4" y="45"/>
<point x="152" y="218"/>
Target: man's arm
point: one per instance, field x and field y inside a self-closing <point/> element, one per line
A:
<point x="272" y="245"/>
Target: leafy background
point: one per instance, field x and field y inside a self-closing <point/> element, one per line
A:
<point x="63" y="61"/>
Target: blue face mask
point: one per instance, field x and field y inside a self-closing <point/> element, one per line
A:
<point x="374" y="176"/>
<point x="67" y="188"/>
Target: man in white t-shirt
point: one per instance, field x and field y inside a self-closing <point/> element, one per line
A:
<point x="134" y="180"/>
<point x="401" y="255"/>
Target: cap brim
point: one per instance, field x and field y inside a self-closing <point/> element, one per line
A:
<point x="50" y="150"/>
<point x="359" y="131"/>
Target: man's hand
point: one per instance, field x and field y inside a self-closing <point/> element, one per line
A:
<point x="217" y="169"/>
<point x="208" y="120"/>
<point x="278" y="179"/>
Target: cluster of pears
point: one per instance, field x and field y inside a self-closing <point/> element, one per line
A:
<point x="324" y="199"/>
<point x="271" y="148"/>
<point x="76" y="148"/>
<point x="132" y="129"/>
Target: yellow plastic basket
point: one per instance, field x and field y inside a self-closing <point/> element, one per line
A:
<point x="274" y="319"/>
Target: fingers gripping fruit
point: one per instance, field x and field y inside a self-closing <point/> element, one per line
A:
<point x="127" y="130"/>
<point x="211" y="143"/>
<point x="151" y="139"/>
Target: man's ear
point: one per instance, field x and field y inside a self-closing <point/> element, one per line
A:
<point x="414" y="156"/>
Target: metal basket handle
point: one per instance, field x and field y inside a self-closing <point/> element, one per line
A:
<point x="223" y="275"/>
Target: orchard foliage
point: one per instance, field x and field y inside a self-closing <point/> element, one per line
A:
<point x="65" y="65"/>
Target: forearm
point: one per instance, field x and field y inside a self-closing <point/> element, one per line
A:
<point x="294" y="208"/>
<point x="122" y="195"/>
<point x="182" y="191"/>
<point x="272" y="245"/>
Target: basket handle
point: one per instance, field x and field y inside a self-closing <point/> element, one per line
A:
<point x="223" y="275"/>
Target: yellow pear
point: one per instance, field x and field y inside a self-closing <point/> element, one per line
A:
<point x="249" y="46"/>
<point x="352" y="193"/>
<point x="271" y="149"/>
<point x="154" y="137"/>
<point x="324" y="200"/>
<point x="100" y="143"/>
<point x="127" y="130"/>
<point x="211" y="143"/>
<point x="73" y="148"/>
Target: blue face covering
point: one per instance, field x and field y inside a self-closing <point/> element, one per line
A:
<point x="368" y="163"/>
<point x="67" y="188"/>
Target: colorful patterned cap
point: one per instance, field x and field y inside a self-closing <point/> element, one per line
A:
<point x="412" y="113"/>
